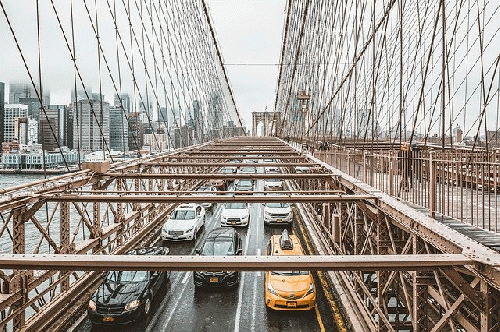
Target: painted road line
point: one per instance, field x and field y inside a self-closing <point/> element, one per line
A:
<point x="240" y="291"/>
<point x="254" y="304"/>
<point x="172" y="311"/>
<point x="320" y="321"/>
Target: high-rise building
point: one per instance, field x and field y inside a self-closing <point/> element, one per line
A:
<point x="52" y="126"/>
<point x="123" y="100"/>
<point x="11" y="112"/>
<point x="90" y="125"/>
<point x="118" y="129"/>
<point x="21" y="130"/>
<point x="23" y="93"/>
<point x="2" y="110"/>
<point x="136" y="131"/>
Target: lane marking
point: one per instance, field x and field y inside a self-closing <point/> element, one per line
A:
<point x="181" y="275"/>
<point x="181" y="297"/>
<point x="240" y="291"/>
<point x="320" y="321"/>
<point x="254" y="304"/>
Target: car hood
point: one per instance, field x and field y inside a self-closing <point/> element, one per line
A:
<point x="273" y="184"/>
<point x="278" y="210"/>
<point x="235" y="213"/>
<point x="113" y="294"/>
<point x="179" y="225"/>
<point x="290" y="284"/>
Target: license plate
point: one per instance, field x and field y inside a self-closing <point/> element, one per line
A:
<point x="234" y="222"/>
<point x="291" y="304"/>
<point x="279" y="220"/>
<point x="175" y="237"/>
<point x="108" y="319"/>
<point x="214" y="280"/>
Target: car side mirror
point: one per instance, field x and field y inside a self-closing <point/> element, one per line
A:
<point x="198" y="251"/>
<point x="240" y="251"/>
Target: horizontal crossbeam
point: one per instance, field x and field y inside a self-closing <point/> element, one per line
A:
<point x="241" y="196"/>
<point x="233" y="263"/>
<point x="254" y="176"/>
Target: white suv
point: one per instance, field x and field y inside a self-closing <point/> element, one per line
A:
<point x="184" y="223"/>
<point x="278" y="213"/>
<point x="273" y="184"/>
<point x="235" y="214"/>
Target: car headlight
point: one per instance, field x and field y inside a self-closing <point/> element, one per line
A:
<point x="270" y="289"/>
<point x="267" y="213"/>
<point x="311" y="289"/>
<point x="189" y="230"/>
<point x="132" y="305"/>
<point x="92" y="306"/>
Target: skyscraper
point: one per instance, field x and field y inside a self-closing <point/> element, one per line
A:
<point x="118" y="129"/>
<point x="90" y="125"/>
<point x="2" y="110"/>
<point x="23" y="93"/>
<point x="11" y="112"/>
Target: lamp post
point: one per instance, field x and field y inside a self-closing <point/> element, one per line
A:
<point x="303" y="98"/>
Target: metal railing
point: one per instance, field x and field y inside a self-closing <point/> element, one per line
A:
<point x="461" y="185"/>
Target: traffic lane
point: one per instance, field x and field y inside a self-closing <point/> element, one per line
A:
<point x="190" y="309"/>
<point x="167" y="289"/>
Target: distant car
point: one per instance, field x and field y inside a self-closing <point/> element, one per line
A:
<point x="244" y="185"/>
<point x="219" y="184"/>
<point x="273" y="184"/>
<point x="126" y="296"/>
<point x="268" y="160"/>
<point x="207" y="188"/>
<point x="302" y="169"/>
<point x="278" y="213"/>
<point x="248" y="170"/>
<point x="184" y="223"/>
<point x="235" y="214"/>
<point x="219" y="242"/>
<point x="271" y="169"/>
<point x="229" y="170"/>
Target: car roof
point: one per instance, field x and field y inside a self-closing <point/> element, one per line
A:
<point x="149" y="251"/>
<point x="278" y="251"/>
<point x="220" y="232"/>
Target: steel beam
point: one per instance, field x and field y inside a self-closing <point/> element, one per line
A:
<point x="236" y="263"/>
<point x="239" y="196"/>
<point x="253" y="176"/>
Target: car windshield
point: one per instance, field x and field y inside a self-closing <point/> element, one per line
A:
<point x="127" y="276"/>
<point x="290" y="273"/>
<point x="218" y="247"/>
<point x="235" y="206"/>
<point x="245" y="183"/>
<point x="277" y="205"/>
<point x="183" y="214"/>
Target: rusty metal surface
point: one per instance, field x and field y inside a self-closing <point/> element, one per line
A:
<point x="240" y="263"/>
<point x="238" y="196"/>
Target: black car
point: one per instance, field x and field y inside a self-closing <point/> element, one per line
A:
<point x="125" y="296"/>
<point x="219" y="242"/>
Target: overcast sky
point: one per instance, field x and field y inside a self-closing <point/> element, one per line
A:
<point x="250" y="32"/>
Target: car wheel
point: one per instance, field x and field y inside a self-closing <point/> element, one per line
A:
<point x="147" y="306"/>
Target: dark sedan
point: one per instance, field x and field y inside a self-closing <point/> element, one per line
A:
<point x="125" y="296"/>
<point x="219" y="242"/>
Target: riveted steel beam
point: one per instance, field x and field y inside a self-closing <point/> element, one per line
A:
<point x="236" y="263"/>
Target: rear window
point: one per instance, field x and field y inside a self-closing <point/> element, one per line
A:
<point x="277" y="205"/>
<point x="235" y="206"/>
<point x="183" y="214"/>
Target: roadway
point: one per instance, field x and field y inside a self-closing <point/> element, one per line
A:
<point x="178" y="307"/>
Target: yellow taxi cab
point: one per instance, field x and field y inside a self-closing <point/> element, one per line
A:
<point x="288" y="290"/>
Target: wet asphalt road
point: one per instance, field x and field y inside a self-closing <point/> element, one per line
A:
<point x="178" y="307"/>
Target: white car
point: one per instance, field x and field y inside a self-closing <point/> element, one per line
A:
<point x="302" y="169"/>
<point x="235" y="214"/>
<point x="184" y="223"/>
<point x="273" y="184"/>
<point x="271" y="169"/>
<point x="278" y="213"/>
